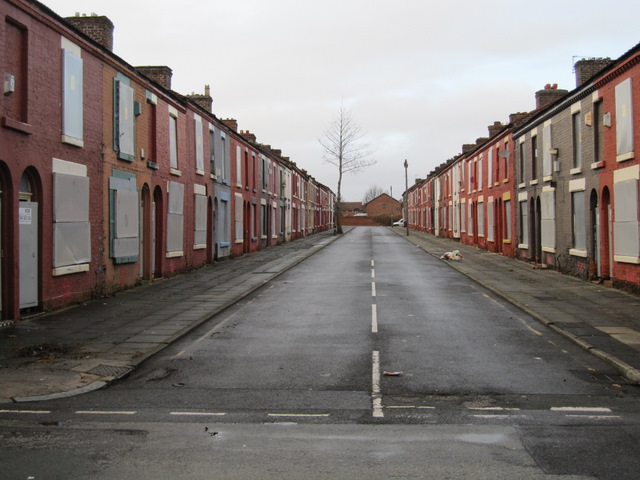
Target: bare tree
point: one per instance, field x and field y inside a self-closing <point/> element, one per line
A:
<point x="372" y="193"/>
<point x="343" y="149"/>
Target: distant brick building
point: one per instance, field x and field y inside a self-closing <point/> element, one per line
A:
<point x="384" y="207"/>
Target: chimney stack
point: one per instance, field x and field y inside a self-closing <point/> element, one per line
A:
<point x="159" y="74"/>
<point x="467" y="147"/>
<point x="549" y="95"/>
<point x="516" y="117"/>
<point x="232" y="123"/>
<point x="588" y="67"/>
<point x="97" y="27"/>
<point x="247" y="135"/>
<point x="496" y="128"/>
<point x="204" y="101"/>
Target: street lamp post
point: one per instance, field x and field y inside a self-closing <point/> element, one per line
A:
<point x="406" y="195"/>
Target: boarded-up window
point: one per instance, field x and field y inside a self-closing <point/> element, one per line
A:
<point x="123" y="217"/>
<point x="175" y="219"/>
<point x="624" y="118"/>
<point x="173" y="140"/>
<point x="481" y="218"/>
<point x="578" y="221"/>
<point x="238" y="217"/>
<point x="200" y="221"/>
<point x="547" y="165"/>
<point x="490" y="169"/>
<point x="238" y="166"/>
<point x="71" y="227"/>
<point x="470" y="222"/>
<point x="507" y="219"/>
<point x="72" y="93"/>
<point x="626" y="227"/>
<point x="490" y="221"/>
<point x="123" y="122"/>
<point x="199" y="144"/>
<point x="548" y="220"/>
<point x="524" y="223"/>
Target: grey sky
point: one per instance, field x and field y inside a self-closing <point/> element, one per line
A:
<point x="420" y="77"/>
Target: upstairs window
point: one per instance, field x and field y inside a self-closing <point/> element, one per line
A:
<point x="577" y="140"/>
<point x="123" y="118"/>
<point x="173" y="138"/>
<point x="72" y="94"/>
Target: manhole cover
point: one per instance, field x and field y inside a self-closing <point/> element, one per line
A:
<point x="109" y="371"/>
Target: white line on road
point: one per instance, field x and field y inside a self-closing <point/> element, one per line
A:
<point x="196" y="414"/>
<point x="37" y="412"/>
<point x="594" y="417"/>
<point x="410" y="407"/>
<point x="581" y="409"/>
<point x="374" y="318"/>
<point x="373" y="273"/>
<point x="373" y="289"/>
<point x="495" y="409"/>
<point x="104" y="412"/>
<point x="375" y="385"/>
<point x="303" y="415"/>
<point x="372" y="264"/>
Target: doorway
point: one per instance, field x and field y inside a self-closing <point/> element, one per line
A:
<point x="29" y="254"/>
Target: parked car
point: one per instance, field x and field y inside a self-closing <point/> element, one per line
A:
<point x="399" y="223"/>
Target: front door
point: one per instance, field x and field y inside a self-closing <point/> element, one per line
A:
<point x="28" y="221"/>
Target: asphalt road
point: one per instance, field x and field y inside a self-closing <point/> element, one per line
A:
<point x="371" y="359"/>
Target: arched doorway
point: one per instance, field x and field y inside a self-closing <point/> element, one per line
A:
<point x="29" y="244"/>
<point x="157" y="228"/>
<point x="606" y="239"/>
<point x="498" y="219"/>
<point x="594" y="216"/>
<point x="146" y="233"/>
<point x="533" y="232"/>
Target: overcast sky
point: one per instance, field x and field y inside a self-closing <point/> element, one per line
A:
<point x="421" y="77"/>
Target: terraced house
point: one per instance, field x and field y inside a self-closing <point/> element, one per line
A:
<point x="108" y="177"/>
<point x="558" y="186"/>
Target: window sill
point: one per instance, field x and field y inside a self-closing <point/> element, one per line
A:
<point x="200" y="246"/>
<point x="152" y="165"/>
<point x="17" y="126"/>
<point x="533" y="182"/>
<point x="199" y="172"/>
<point x="578" y="253"/>
<point x="624" y="157"/>
<point x="627" y="259"/>
<point x="522" y="185"/>
<point x="176" y="254"/>
<point x="76" y="142"/>
<point x="596" y="165"/>
<point x="523" y="246"/>
<point x="575" y="171"/>
<point x="57" y="272"/>
<point x="175" y="172"/>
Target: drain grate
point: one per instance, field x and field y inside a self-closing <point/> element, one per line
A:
<point x="109" y="371"/>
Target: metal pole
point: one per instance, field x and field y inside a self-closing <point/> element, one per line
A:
<point x="406" y="195"/>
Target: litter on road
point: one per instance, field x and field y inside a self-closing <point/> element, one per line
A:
<point x="455" y="255"/>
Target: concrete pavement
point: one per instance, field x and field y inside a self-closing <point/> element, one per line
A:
<point x="83" y="348"/>
<point x="601" y="320"/>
